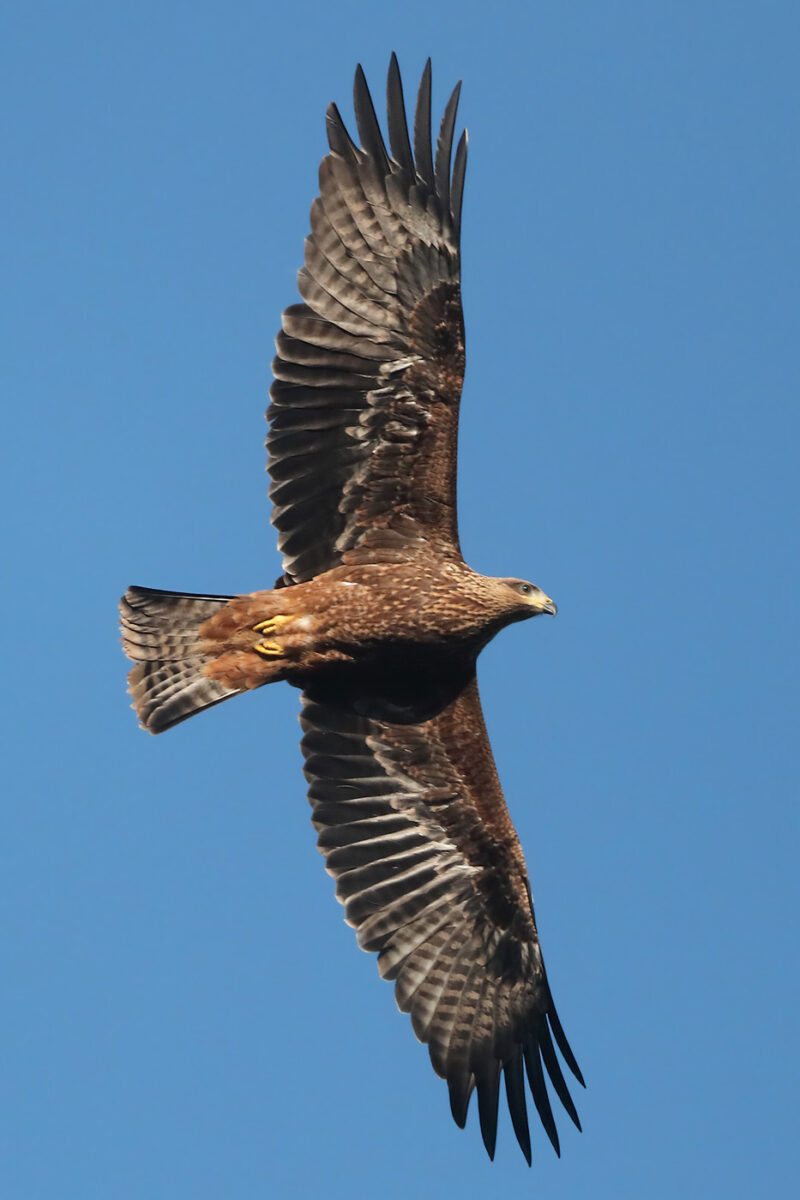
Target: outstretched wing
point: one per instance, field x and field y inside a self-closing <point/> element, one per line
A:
<point x="364" y="412"/>
<point x="413" y="825"/>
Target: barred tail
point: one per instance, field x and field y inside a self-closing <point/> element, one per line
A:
<point x="160" y="634"/>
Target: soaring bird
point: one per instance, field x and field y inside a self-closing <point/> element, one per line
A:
<point x="379" y="621"/>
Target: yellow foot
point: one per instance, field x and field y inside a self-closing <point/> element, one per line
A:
<point x="272" y="625"/>
<point x="269" y="649"/>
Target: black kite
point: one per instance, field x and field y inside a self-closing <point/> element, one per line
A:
<point x="379" y="621"/>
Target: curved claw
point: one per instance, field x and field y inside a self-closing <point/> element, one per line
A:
<point x="272" y="624"/>
<point x="269" y="649"/>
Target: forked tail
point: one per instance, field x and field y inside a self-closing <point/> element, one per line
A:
<point x="160" y="634"/>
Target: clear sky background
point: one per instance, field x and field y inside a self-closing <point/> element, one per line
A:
<point x="183" y="1011"/>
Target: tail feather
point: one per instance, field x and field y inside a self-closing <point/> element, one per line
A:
<point x="160" y="634"/>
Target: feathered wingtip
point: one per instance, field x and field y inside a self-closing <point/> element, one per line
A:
<point x="535" y="1059"/>
<point x="418" y="164"/>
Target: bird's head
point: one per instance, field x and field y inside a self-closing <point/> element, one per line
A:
<point x="526" y="599"/>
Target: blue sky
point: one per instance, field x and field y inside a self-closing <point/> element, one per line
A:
<point x="184" y="1012"/>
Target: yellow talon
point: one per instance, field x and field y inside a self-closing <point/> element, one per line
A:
<point x="272" y="625"/>
<point x="269" y="649"/>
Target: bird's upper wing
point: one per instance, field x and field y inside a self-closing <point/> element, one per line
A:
<point x="412" y="822"/>
<point x="368" y="374"/>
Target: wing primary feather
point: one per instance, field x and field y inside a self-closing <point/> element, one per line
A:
<point x="339" y="139"/>
<point x="488" y="1096"/>
<point x="398" y="127"/>
<point x="533" y="1066"/>
<point x="444" y="1003"/>
<point x="423" y="153"/>
<point x="447" y="1003"/>
<point x="459" y="1061"/>
<point x="563" y="1044"/>
<point x="460" y="1079"/>
<point x="460" y="1088"/>
<point x="459" y="171"/>
<point x="368" y="128"/>
<point x="555" y="1073"/>
<point x="515" y="1095"/>
<point x="444" y="147"/>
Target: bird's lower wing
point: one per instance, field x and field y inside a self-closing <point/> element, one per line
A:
<point x="415" y="831"/>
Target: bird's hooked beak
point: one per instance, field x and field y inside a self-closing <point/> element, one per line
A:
<point x="540" y="602"/>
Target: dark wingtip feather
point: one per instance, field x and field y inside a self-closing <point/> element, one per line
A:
<point x="368" y="128"/>
<point x="517" y="1107"/>
<point x="444" y="148"/>
<point x="423" y="153"/>
<point x="396" y="114"/>
<point x="563" y="1044"/>
<point x="339" y="139"/>
<point x="488" y="1096"/>
<point x="459" y="171"/>
<point x="533" y="1066"/>
<point x="460" y="1089"/>
<point x="556" y="1076"/>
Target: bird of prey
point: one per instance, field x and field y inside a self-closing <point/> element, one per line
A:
<point x="379" y="621"/>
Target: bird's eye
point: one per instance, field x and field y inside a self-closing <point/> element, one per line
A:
<point x="525" y="588"/>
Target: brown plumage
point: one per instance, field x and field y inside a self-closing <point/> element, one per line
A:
<point x="379" y="620"/>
